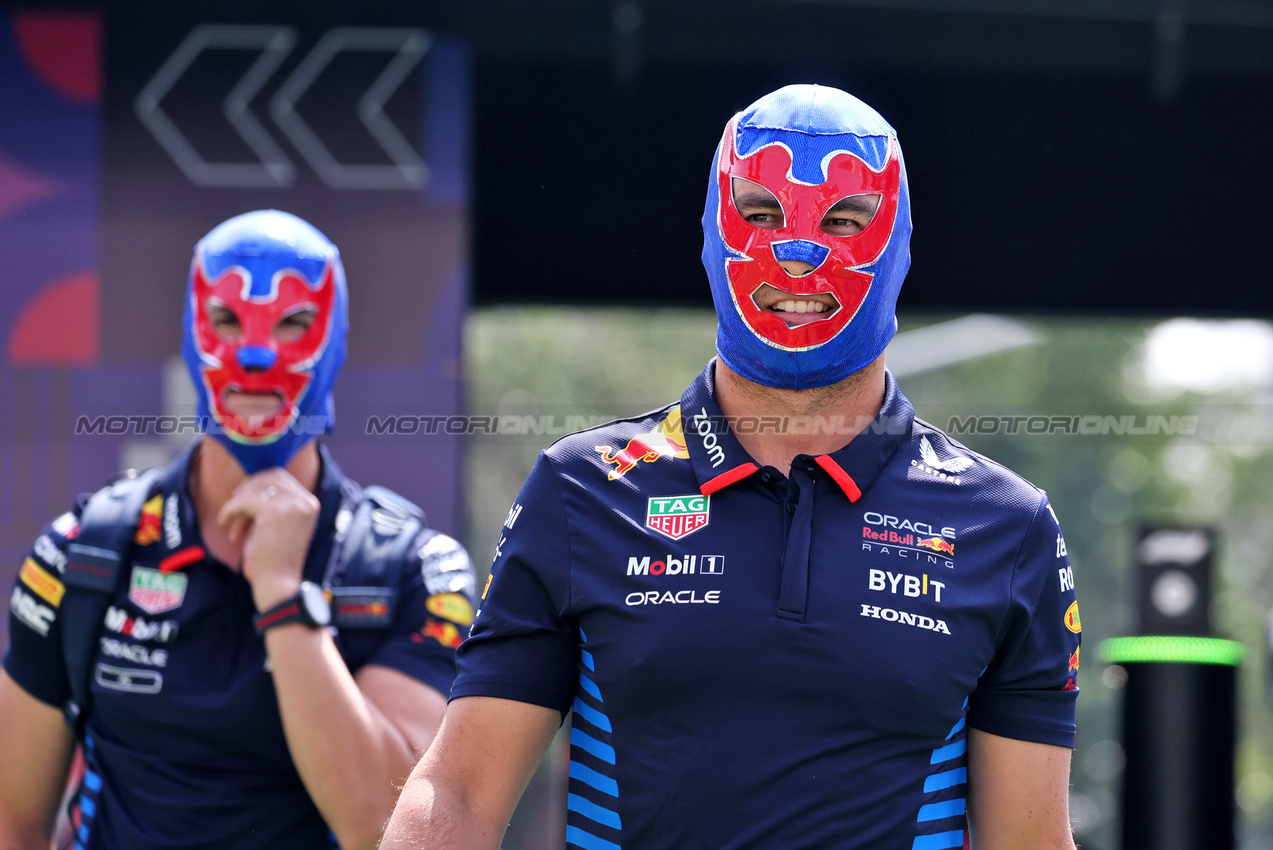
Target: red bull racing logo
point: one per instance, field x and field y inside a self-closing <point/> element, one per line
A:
<point x="667" y="439"/>
<point x="1074" y="660"/>
<point x="908" y="539"/>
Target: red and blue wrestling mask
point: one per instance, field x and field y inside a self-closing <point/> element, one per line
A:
<point x="809" y="147"/>
<point x="265" y="326"/>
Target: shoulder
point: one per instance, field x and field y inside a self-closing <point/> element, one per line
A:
<point x="986" y="486"/>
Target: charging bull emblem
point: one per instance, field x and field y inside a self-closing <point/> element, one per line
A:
<point x="667" y="439"/>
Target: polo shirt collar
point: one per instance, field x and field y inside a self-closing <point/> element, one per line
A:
<point x="719" y="460"/>
<point x="332" y="493"/>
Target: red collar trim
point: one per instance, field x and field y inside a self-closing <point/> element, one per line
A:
<point x="720" y="482"/>
<point x="847" y="484"/>
<point x="183" y="558"/>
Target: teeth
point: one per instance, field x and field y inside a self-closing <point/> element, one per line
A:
<point x="792" y="306"/>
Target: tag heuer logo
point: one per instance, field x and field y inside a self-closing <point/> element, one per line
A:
<point x="155" y="592"/>
<point x="677" y="516"/>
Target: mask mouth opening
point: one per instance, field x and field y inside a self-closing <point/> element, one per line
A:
<point x="795" y="309"/>
<point x="253" y="406"/>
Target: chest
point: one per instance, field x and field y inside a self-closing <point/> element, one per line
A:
<point x="795" y="602"/>
<point x="179" y="668"/>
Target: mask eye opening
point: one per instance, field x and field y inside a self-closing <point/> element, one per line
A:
<point x="850" y="215"/>
<point x="295" y="323"/>
<point x="223" y="320"/>
<point x="756" y="205"/>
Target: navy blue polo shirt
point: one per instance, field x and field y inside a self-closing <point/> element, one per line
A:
<point x="762" y="661"/>
<point x="185" y="745"/>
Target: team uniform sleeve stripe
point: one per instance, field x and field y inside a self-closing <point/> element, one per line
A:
<point x="955" y="730"/>
<point x="588" y="841"/>
<point x="592" y="811"/>
<point x="948" y="779"/>
<point x="947" y="753"/>
<point x="596" y="718"/>
<point x="944" y="809"/>
<point x="587" y="660"/>
<point x="940" y="841"/>
<point x="590" y="777"/>
<point x="589" y="744"/>
<point x="590" y="687"/>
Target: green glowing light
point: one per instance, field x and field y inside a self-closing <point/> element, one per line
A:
<point x="1165" y="649"/>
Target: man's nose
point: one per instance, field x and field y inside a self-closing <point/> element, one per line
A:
<point x="799" y="256"/>
<point x="795" y="268"/>
<point x="256" y="357"/>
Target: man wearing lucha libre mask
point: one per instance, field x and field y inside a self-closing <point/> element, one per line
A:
<point x="784" y="612"/>
<point x="251" y="649"/>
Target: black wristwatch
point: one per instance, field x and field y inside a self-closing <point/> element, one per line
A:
<point x="309" y="606"/>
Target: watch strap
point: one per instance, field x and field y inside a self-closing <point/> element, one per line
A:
<point x="287" y="611"/>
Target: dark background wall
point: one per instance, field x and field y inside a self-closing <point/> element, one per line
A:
<point x="1080" y="156"/>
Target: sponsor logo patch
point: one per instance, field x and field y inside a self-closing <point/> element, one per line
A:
<point x="172" y="523"/>
<point x="946" y="470"/>
<point x="1067" y="578"/>
<point x="444" y="633"/>
<point x="41" y="582"/>
<point x="139" y="628"/>
<point x="134" y="653"/>
<point x="666" y="439"/>
<point x="451" y="606"/>
<point x="677" y="516"/>
<point x="905" y="618"/>
<point x="1072" y="621"/>
<point x="149" y="527"/>
<point x="1074" y="660"/>
<point x="674" y="566"/>
<point x="46" y="550"/>
<point x="32" y="613"/>
<point x="907" y="585"/>
<point x="667" y="597"/>
<point x="155" y="592"/>
<point x="130" y="680"/>
<point x="487" y="587"/>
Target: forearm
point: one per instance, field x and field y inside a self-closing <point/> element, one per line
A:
<point x="431" y="815"/>
<point x="15" y="838"/>
<point x="351" y="759"/>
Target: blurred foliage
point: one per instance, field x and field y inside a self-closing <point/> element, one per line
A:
<point x="555" y="363"/>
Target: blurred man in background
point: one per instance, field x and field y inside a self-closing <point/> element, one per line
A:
<point x="784" y="612"/>
<point x="251" y="649"/>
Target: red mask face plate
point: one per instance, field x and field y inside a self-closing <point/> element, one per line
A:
<point x="289" y="374"/>
<point x="803" y="208"/>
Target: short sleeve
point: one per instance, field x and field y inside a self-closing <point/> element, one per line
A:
<point x="522" y="645"/>
<point x="1029" y="690"/>
<point x="34" y="660"/>
<point x="435" y="605"/>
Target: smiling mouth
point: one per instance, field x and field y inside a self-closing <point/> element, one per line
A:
<point x="253" y="405"/>
<point x="795" y="309"/>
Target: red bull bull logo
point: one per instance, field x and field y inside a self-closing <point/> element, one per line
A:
<point x="1074" y="660"/>
<point x="937" y="544"/>
<point x="666" y="440"/>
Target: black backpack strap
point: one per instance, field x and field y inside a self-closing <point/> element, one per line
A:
<point x="370" y="557"/>
<point x="94" y="569"/>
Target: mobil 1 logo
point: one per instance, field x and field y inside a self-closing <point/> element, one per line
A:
<point x="673" y="566"/>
